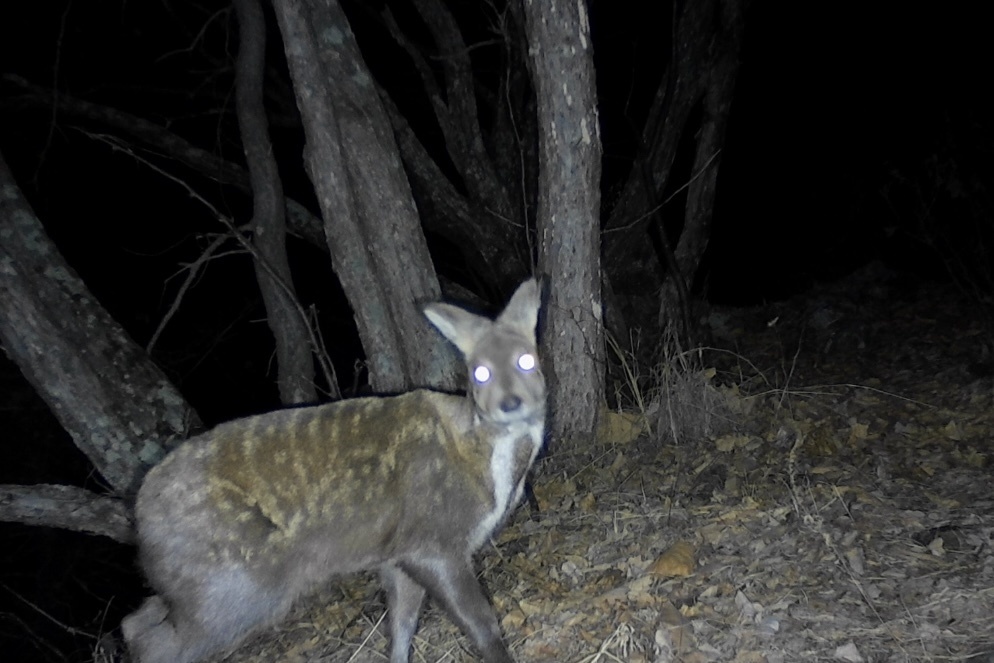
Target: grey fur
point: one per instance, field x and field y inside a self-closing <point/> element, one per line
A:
<point x="236" y="524"/>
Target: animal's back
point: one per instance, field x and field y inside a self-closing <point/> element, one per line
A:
<point x="276" y="481"/>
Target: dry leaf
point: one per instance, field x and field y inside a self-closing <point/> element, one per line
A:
<point x="727" y="443"/>
<point x="620" y="427"/>
<point x="858" y="432"/>
<point x="513" y="620"/>
<point x="677" y="561"/>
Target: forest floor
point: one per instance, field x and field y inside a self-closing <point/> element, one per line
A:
<point x="821" y="492"/>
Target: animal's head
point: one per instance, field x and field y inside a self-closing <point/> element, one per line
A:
<point x="505" y="379"/>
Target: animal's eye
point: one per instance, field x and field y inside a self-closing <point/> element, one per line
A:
<point x="526" y="362"/>
<point x="481" y="374"/>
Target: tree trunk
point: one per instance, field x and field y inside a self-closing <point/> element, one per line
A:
<point x="486" y="219"/>
<point x="708" y="41"/>
<point x="371" y="224"/>
<point x="294" y="363"/>
<point x="119" y="408"/>
<point x="568" y="212"/>
<point x="719" y="88"/>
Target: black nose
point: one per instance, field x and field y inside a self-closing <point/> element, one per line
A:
<point x="510" y="403"/>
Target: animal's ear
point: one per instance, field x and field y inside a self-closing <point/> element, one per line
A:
<point x="522" y="311"/>
<point x="461" y="327"/>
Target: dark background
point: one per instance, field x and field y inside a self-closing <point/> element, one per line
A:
<point x="842" y="112"/>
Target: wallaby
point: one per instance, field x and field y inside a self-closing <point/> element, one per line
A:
<point x="237" y="523"/>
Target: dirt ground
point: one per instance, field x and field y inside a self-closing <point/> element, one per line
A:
<point x="820" y="492"/>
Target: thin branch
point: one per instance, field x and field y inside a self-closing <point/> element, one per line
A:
<point x="65" y="627"/>
<point x="685" y="185"/>
<point x="56" y="68"/>
<point x="323" y="360"/>
<point x="193" y="269"/>
<point x="300" y="221"/>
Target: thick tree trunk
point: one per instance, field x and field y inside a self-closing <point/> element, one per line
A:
<point x="371" y="224"/>
<point x="568" y="211"/>
<point x="119" y="408"/>
<point x="294" y="362"/>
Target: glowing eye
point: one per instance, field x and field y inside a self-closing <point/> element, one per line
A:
<point x="526" y="362"/>
<point x="481" y="374"/>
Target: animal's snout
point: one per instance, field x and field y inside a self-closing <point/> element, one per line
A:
<point x="510" y="403"/>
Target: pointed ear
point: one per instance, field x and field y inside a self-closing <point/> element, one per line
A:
<point x="461" y="327"/>
<point x="522" y="311"/>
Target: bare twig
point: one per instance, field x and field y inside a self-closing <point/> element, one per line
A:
<point x="323" y="360"/>
<point x="300" y="221"/>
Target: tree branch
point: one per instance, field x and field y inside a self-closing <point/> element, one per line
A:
<point x="118" y="406"/>
<point x="482" y="222"/>
<point x="67" y="507"/>
<point x="460" y="119"/>
<point x="240" y="236"/>
<point x="719" y="88"/>
<point x="300" y="221"/>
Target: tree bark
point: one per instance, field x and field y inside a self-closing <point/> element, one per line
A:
<point x="294" y="363"/>
<point x="568" y="211"/>
<point x="485" y="223"/>
<point x="371" y="224"/>
<point x="484" y="243"/>
<point x="719" y="88"/>
<point x="119" y="408"/>
<point x="67" y="507"/>
<point x="456" y="111"/>
<point x="700" y="75"/>
<point x="487" y="130"/>
<point x="626" y="232"/>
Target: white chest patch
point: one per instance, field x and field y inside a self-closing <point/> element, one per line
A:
<point x="507" y="490"/>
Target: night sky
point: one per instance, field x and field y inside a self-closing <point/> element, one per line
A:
<point x="838" y="106"/>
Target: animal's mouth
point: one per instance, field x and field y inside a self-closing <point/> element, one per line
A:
<point x="525" y="414"/>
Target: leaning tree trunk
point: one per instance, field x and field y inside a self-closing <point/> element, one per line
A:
<point x="700" y="75"/>
<point x="568" y="211"/>
<point x="371" y="224"/>
<point x="484" y="215"/>
<point x="119" y="408"/>
<point x="719" y="88"/>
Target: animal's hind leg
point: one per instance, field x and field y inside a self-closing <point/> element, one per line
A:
<point x="150" y="634"/>
<point x="404" y="598"/>
<point x="220" y="611"/>
<point x="195" y="620"/>
<point x="157" y="634"/>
